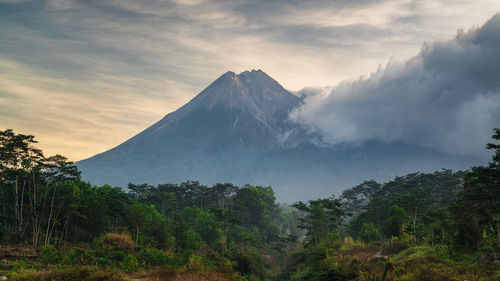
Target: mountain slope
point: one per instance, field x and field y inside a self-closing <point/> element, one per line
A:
<point x="232" y="122"/>
<point x="237" y="130"/>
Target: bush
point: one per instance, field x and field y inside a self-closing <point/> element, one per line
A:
<point x="394" y="247"/>
<point x="79" y="256"/>
<point x="396" y="222"/>
<point x="102" y="262"/>
<point x="368" y="233"/>
<point x="48" y="256"/>
<point x="189" y="240"/>
<point x="117" y="241"/>
<point x="130" y="264"/>
<point x="349" y="242"/>
<point x="116" y="255"/>
<point x="155" y="257"/>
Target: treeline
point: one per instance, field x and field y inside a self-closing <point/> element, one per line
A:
<point x="405" y="205"/>
<point x="243" y="230"/>
<point x="442" y="216"/>
<point x="44" y="203"/>
<point x="459" y="211"/>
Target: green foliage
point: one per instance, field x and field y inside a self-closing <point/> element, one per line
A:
<point x="446" y="220"/>
<point x="477" y="210"/>
<point x="223" y="222"/>
<point x="79" y="256"/>
<point x="255" y="206"/>
<point x="371" y="202"/>
<point x="435" y="227"/>
<point x="318" y="263"/>
<point x="396" y="222"/>
<point x="49" y="255"/>
<point x="153" y="257"/>
<point x="394" y="246"/>
<point x="204" y="223"/>
<point x="320" y="217"/>
<point x="115" y="256"/>
<point x="97" y="210"/>
<point x="189" y="240"/>
<point x="368" y="233"/>
<point x="353" y="199"/>
<point x="102" y="262"/>
<point x="130" y="264"/>
<point x="496" y="148"/>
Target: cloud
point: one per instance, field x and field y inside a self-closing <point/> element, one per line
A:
<point x="447" y="97"/>
<point x="115" y="56"/>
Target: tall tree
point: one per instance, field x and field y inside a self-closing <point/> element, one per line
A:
<point x="477" y="211"/>
<point x="320" y="217"/>
<point x="19" y="165"/>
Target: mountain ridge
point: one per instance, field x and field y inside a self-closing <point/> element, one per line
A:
<point x="237" y="130"/>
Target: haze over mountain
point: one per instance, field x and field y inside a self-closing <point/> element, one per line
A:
<point x="238" y="130"/>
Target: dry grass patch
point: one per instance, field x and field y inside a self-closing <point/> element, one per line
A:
<point x="117" y="240"/>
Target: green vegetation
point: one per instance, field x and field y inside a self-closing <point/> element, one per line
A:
<point x="53" y="226"/>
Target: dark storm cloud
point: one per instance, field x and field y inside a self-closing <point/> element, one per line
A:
<point x="447" y="97"/>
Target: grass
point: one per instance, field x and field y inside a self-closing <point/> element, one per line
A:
<point x="117" y="240"/>
<point x="364" y="262"/>
<point x="71" y="273"/>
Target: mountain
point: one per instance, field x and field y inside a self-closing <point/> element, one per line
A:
<point x="237" y="130"/>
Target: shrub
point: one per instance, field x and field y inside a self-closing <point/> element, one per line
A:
<point x="122" y="241"/>
<point x="155" y="257"/>
<point x="396" y="222"/>
<point x="190" y="240"/>
<point x="49" y="255"/>
<point x="116" y="255"/>
<point x="130" y="264"/>
<point x="79" y="256"/>
<point x="394" y="247"/>
<point x="349" y="242"/>
<point x="368" y="233"/>
<point x="196" y="265"/>
<point x="102" y="262"/>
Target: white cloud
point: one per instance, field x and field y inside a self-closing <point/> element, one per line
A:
<point x="447" y="98"/>
<point x="104" y="53"/>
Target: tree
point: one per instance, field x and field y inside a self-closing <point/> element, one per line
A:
<point x="19" y="166"/>
<point x="435" y="227"/>
<point x="58" y="173"/>
<point x="320" y="217"/>
<point x="476" y="213"/>
<point x="396" y="222"/>
<point x="255" y="206"/>
<point x="368" y="233"/>
<point x="354" y="198"/>
<point x="202" y="222"/>
<point x="496" y="148"/>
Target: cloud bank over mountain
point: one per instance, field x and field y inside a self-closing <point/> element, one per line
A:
<point x="111" y="68"/>
<point x="447" y="97"/>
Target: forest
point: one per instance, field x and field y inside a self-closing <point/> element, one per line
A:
<point x="422" y="226"/>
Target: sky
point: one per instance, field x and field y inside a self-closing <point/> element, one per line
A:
<point x="84" y="76"/>
<point x="447" y="97"/>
